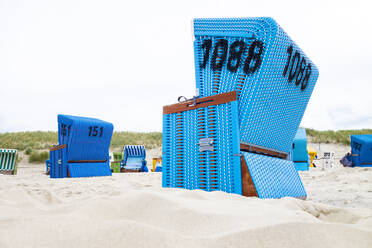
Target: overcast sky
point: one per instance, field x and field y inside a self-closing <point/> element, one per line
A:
<point x="122" y="61"/>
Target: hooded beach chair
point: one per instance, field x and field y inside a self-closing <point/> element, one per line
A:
<point x="8" y="161"/>
<point x="253" y="84"/>
<point x="134" y="159"/>
<point x="83" y="149"/>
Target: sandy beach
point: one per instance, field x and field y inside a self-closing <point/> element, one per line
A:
<point x="133" y="210"/>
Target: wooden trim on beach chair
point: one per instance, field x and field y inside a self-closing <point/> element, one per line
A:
<point x="55" y="148"/>
<point x="262" y="150"/>
<point x="248" y="188"/>
<point x="86" y="161"/>
<point x="123" y="170"/>
<point x="200" y="103"/>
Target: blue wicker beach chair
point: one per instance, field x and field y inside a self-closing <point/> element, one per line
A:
<point x="253" y="85"/>
<point x="8" y="161"/>
<point x="83" y="149"/>
<point x="134" y="159"/>
<point x="299" y="154"/>
<point x="361" y="150"/>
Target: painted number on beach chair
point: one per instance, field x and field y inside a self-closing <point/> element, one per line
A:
<point x="301" y="72"/>
<point x="356" y="145"/>
<point x="65" y="129"/>
<point x="233" y="55"/>
<point x="93" y="131"/>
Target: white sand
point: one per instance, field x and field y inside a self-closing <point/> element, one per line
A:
<point x="132" y="210"/>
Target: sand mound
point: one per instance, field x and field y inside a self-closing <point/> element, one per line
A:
<point x="132" y="210"/>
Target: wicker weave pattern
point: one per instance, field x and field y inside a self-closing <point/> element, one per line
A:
<point x="185" y="166"/>
<point x="274" y="177"/>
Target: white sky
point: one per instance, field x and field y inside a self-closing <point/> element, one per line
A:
<point x="122" y="61"/>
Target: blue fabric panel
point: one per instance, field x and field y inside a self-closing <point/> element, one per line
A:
<point x="362" y="145"/>
<point x="58" y="163"/>
<point x="301" y="166"/>
<point x="274" y="177"/>
<point x="86" y="138"/>
<point x="89" y="169"/>
<point x="271" y="105"/>
<point x="299" y="147"/>
<point x="185" y="166"/>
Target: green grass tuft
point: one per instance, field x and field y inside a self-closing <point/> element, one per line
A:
<point x="38" y="157"/>
<point x="329" y="136"/>
<point x="33" y="140"/>
<point x="149" y="140"/>
<point x="28" y="151"/>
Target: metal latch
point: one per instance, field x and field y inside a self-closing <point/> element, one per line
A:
<point x="206" y="144"/>
<point x="59" y="161"/>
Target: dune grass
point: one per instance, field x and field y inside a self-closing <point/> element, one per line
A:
<point x="339" y="137"/>
<point x="24" y="140"/>
<point x="33" y="141"/>
<point x="30" y="142"/>
<point x="38" y="157"/>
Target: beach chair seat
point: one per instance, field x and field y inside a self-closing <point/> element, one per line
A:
<point x="8" y="161"/>
<point x="83" y="149"/>
<point x="134" y="159"/>
<point x="270" y="177"/>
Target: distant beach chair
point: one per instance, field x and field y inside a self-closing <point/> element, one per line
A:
<point x="83" y="149"/>
<point x="157" y="165"/>
<point x="134" y="159"/>
<point x="361" y="150"/>
<point x="312" y="155"/>
<point x="116" y="162"/>
<point x="299" y="154"/>
<point x="8" y="161"/>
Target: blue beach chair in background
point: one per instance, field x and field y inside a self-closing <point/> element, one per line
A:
<point x="299" y="154"/>
<point x="134" y="159"/>
<point x="361" y="150"/>
<point x="83" y="149"/>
